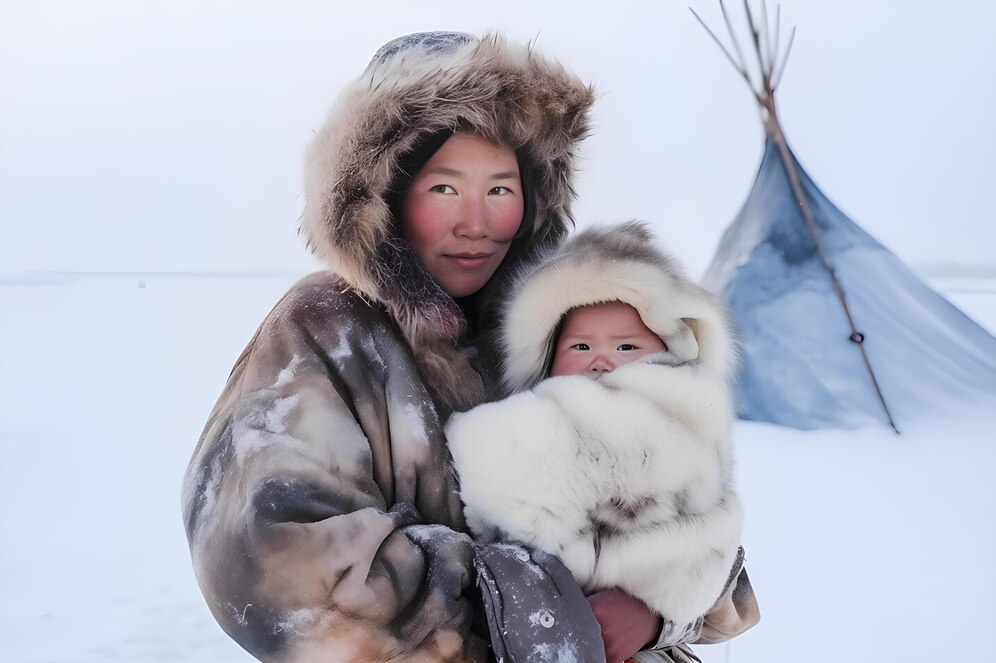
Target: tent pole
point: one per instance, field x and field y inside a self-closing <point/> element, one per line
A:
<point x="770" y="75"/>
<point x="788" y="162"/>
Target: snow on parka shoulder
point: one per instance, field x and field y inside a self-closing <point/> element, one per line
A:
<point x="627" y="479"/>
<point x="320" y="505"/>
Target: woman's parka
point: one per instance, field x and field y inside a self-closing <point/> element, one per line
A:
<point x="320" y="507"/>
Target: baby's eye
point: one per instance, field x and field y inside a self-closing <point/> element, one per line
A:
<point x="499" y="191"/>
<point x="443" y="188"/>
<point x="580" y="346"/>
<point x="626" y="347"/>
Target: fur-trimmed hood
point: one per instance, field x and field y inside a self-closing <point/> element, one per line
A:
<point x="607" y="264"/>
<point x="415" y="87"/>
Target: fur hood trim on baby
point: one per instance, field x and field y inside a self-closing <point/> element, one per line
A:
<point x="608" y="264"/>
<point x="416" y="87"/>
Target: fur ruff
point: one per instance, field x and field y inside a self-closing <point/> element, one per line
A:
<point x="607" y="264"/>
<point x="503" y="91"/>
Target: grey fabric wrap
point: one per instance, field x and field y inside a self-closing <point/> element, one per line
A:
<point x="427" y="42"/>
<point x="535" y="610"/>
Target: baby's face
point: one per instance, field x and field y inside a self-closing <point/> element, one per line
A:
<point x="596" y="339"/>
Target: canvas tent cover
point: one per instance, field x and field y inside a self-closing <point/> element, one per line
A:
<point x="799" y="367"/>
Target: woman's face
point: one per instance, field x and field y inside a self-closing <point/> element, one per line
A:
<point x="462" y="211"/>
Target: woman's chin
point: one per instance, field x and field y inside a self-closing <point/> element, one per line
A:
<point x="458" y="286"/>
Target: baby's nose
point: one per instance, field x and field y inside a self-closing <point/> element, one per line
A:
<point x="601" y="364"/>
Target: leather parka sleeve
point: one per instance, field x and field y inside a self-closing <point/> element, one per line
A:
<point x="734" y="612"/>
<point x="320" y="507"/>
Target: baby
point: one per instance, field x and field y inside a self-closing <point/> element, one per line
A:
<point x="626" y="477"/>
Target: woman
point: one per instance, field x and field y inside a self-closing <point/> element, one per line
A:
<point x="321" y="511"/>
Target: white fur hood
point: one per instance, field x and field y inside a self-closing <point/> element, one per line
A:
<point x="606" y="264"/>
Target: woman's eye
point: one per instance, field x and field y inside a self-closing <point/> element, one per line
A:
<point x="580" y="346"/>
<point x="499" y="191"/>
<point x="626" y="347"/>
<point x="443" y="188"/>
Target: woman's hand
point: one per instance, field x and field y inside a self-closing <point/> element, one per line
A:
<point x="627" y="623"/>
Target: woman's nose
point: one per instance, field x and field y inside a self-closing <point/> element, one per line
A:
<point x="473" y="223"/>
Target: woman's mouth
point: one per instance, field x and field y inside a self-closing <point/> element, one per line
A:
<point x="469" y="261"/>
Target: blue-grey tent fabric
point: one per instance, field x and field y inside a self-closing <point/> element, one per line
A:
<point x="799" y="367"/>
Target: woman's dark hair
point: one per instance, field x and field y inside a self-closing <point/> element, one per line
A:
<point x="527" y="178"/>
<point x="409" y="165"/>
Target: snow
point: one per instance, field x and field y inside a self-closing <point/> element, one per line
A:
<point x="857" y="541"/>
<point x="541" y="618"/>
<point x="414" y="423"/>
<point x="287" y="374"/>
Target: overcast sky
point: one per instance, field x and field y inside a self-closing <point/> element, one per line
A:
<point x="169" y="136"/>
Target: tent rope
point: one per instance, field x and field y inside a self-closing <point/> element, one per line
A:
<point x="765" y="96"/>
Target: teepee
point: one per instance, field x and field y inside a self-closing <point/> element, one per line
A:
<point x="836" y="330"/>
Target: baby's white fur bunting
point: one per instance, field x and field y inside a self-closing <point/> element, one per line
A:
<point x="627" y="479"/>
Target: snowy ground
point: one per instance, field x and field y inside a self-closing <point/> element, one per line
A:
<point x="861" y="545"/>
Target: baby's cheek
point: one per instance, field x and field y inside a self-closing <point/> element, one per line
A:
<point x="558" y="367"/>
<point x="566" y="364"/>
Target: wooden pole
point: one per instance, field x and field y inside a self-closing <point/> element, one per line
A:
<point x="771" y="71"/>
